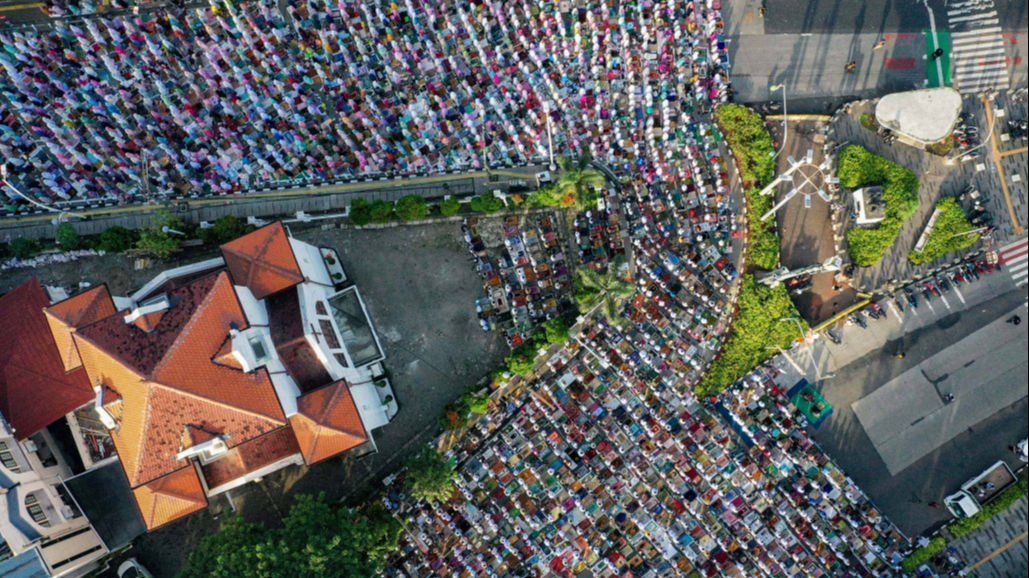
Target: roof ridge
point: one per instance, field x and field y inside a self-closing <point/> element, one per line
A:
<point x="216" y="402"/>
<point x="257" y="260"/>
<point x="187" y="327"/>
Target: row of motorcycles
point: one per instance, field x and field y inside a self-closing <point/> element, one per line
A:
<point x="942" y="282"/>
<point x="910" y="297"/>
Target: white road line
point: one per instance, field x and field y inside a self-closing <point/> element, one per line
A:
<point x="976" y="33"/>
<point x="960" y="296"/>
<point x="930" y="304"/>
<point x="896" y="311"/>
<point x="945" y="302"/>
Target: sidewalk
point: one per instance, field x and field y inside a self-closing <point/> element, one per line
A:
<point x="287" y="201"/>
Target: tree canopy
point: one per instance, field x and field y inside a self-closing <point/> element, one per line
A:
<point x="315" y="540"/>
<point x="412" y="208"/>
<point x="607" y="290"/>
<point x="430" y="477"/>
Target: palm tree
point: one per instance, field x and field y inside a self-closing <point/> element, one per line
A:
<point x="579" y="182"/>
<point x="608" y="290"/>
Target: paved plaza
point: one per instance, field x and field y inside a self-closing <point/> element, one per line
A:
<point x="910" y="416"/>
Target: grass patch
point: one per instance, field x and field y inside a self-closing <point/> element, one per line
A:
<point x="868" y="121"/>
<point x="952" y="232"/>
<point x="858" y="168"/>
<point x="757" y="334"/>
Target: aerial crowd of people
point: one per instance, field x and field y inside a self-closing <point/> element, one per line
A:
<point x="225" y="97"/>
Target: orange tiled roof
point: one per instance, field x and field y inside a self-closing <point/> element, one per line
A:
<point x="68" y="315"/>
<point x="327" y="422"/>
<point x="35" y="388"/>
<point x="171" y="497"/>
<point x="166" y="379"/>
<point x="251" y="456"/>
<point x="263" y="261"/>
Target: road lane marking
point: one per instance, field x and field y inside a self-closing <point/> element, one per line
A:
<point x="960" y="296"/>
<point x="944" y="298"/>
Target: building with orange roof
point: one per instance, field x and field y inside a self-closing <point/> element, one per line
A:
<point x="40" y="388"/>
<point x="221" y="372"/>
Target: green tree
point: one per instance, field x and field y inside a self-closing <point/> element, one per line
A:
<point x="155" y="241"/>
<point x="487" y="204"/>
<point x="430" y="477"/>
<point x="761" y="327"/>
<point x="363" y="212"/>
<point x="225" y="229"/>
<point x="449" y="207"/>
<point x="558" y="330"/>
<point x="67" y="237"/>
<point x="607" y="290"/>
<point x="116" y="240"/>
<point x="316" y="540"/>
<point x="522" y="359"/>
<point x="412" y="208"/>
<point x="24" y="248"/>
<point x="578" y="184"/>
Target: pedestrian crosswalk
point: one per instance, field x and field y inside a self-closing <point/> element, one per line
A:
<point x="1014" y="258"/>
<point x="977" y="53"/>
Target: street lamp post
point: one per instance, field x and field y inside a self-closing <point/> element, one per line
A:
<point x="785" y="118"/>
<point x="10" y="185"/>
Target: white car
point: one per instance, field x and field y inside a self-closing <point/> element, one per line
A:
<point x="1023" y="451"/>
<point x="133" y="569"/>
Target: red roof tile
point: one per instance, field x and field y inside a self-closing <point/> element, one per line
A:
<point x="68" y="315"/>
<point x="263" y="261"/>
<point x="327" y="423"/>
<point x="167" y="378"/>
<point x="251" y="456"/>
<point x="35" y="389"/>
<point x="171" y="497"/>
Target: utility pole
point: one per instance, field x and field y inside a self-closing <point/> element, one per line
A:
<point x="550" y="137"/>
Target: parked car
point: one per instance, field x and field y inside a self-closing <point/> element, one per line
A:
<point x="131" y="568"/>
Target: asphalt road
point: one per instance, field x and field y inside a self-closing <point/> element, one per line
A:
<point x="905" y="496"/>
<point x="872" y="16"/>
<point x="806" y="44"/>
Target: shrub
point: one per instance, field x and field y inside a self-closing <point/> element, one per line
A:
<point x="759" y="329"/>
<point x="412" y="208"/>
<point x="455" y="415"/>
<point x="754" y="152"/>
<point x="868" y="121"/>
<point x="487" y="204"/>
<point x="363" y="212"/>
<point x="24" y="248"/>
<point x="116" y="240"/>
<point x="923" y="555"/>
<point x="750" y="141"/>
<point x="951" y="233"/>
<point x="478" y="404"/>
<point x="225" y="229"/>
<point x="522" y="359"/>
<point x="449" y="207"/>
<point x="67" y="237"/>
<point x="858" y="167"/>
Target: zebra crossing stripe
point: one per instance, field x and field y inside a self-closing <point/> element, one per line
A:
<point x="977" y="52"/>
<point x="975" y="33"/>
